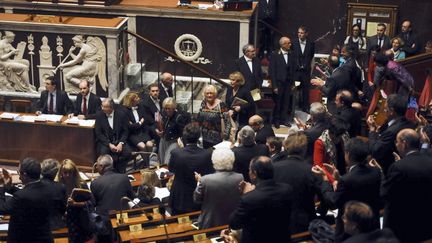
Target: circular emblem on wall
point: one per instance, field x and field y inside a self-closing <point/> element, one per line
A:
<point x="188" y="47"/>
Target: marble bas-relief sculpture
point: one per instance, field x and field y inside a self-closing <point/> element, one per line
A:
<point x="92" y="56"/>
<point x="14" y="70"/>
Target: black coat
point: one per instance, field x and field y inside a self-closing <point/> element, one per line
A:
<point x="243" y="156"/>
<point x="105" y="134"/>
<point x="94" y="106"/>
<point x="149" y="106"/>
<point x="281" y="73"/>
<point x="297" y="173"/>
<point x="268" y="11"/>
<point x="382" y="144"/>
<point x="264" y="213"/>
<point x="262" y="134"/>
<point x="303" y="60"/>
<point x="373" y="41"/>
<point x="58" y="192"/>
<point x="246" y="110"/>
<point x="407" y="196"/>
<point x="362" y="184"/>
<point x="30" y="210"/>
<point x="253" y="79"/>
<point x="63" y="104"/>
<point x="183" y="163"/>
<point x="312" y="134"/>
<point x="108" y="190"/>
<point x="352" y="118"/>
<point x="163" y="94"/>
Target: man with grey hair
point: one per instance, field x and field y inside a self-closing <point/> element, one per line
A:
<point x="165" y="86"/>
<point x="110" y="187"/>
<point x="49" y="169"/>
<point x="250" y="66"/>
<point x="112" y="134"/>
<point x="218" y="193"/>
<point x="320" y="122"/>
<point x="247" y="150"/>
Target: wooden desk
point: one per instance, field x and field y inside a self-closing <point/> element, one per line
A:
<point x="173" y="228"/>
<point x="43" y="140"/>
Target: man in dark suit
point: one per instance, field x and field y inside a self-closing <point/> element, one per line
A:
<point x="30" y="207"/>
<point x="274" y="146"/>
<point x="53" y="100"/>
<point x="261" y="204"/>
<point x="151" y="101"/>
<point x="165" y="86"/>
<point x="262" y="130"/>
<point x="347" y="113"/>
<point x="49" y="169"/>
<point x="303" y="53"/>
<point x="411" y="44"/>
<point x="361" y="183"/>
<point x="112" y="134"/>
<point x="87" y="104"/>
<point x="184" y="162"/>
<point x="109" y="189"/>
<point x="380" y="39"/>
<point x="267" y="12"/>
<point x="320" y="122"/>
<point x="296" y="172"/>
<point x="358" y="219"/>
<point x="281" y="69"/>
<point x="381" y="141"/>
<point x="406" y="191"/>
<point x="250" y="67"/>
<point x="247" y="150"/>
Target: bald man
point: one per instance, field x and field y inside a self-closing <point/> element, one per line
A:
<point x="165" y="86"/>
<point x="411" y="44"/>
<point x="281" y="70"/>
<point x="262" y="130"/>
<point x="406" y="191"/>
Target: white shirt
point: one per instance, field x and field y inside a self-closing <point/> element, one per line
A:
<point x="135" y="113"/>
<point x="156" y="102"/>
<point x="110" y="118"/>
<point x="249" y="63"/>
<point x="285" y="55"/>
<point x="302" y="45"/>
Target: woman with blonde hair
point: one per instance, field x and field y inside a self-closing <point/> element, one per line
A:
<point x="239" y="100"/>
<point x="139" y="122"/>
<point x="68" y="175"/>
<point x="213" y="117"/>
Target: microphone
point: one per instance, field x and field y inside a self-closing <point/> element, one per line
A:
<point x="121" y="220"/>
<point x="162" y="211"/>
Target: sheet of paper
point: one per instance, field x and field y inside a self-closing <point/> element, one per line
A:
<point x="161" y="192"/>
<point x="8" y="115"/>
<point x="4" y="227"/>
<point x="87" y="123"/>
<point x="73" y="120"/>
<point x="52" y="118"/>
<point x="27" y="118"/>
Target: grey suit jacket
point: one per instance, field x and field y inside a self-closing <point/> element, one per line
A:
<point x="219" y="195"/>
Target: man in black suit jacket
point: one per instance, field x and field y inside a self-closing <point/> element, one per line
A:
<point x="152" y="105"/>
<point x="109" y="189"/>
<point x="112" y="134"/>
<point x="247" y="150"/>
<point x="30" y="207"/>
<point x="184" y="162"/>
<point x="381" y="141"/>
<point x="53" y="100"/>
<point x="87" y="104"/>
<point x="361" y="183"/>
<point x="406" y="191"/>
<point x="165" y="86"/>
<point x="296" y="172"/>
<point x="262" y="130"/>
<point x="380" y="39"/>
<point x="320" y="122"/>
<point x="267" y="12"/>
<point x="411" y="44"/>
<point x="281" y="70"/>
<point x="303" y="52"/>
<point x="264" y="210"/>
<point x="347" y="113"/>
<point x="250" y="67"/>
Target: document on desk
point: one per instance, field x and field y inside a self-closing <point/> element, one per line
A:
<point x="9" y="116"/>
<point x="73" y="120"/>
<point x="87" y="123"/>
<point x="161" y="192"/>
<point x="4" y="227"/>
<point x="50" y="117"/>
<point x="26" y="118"/>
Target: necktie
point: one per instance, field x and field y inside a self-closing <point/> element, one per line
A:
<point x="51" y="104"/>
<point x="84" y="110"/>
<point x="380" y="42"/>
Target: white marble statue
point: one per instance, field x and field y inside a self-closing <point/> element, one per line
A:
<point x="14" y="71"/>
<point x="92" y="56"/>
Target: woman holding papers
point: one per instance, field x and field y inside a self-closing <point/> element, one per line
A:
<point x="213" y="118"/>
<point x="239" y="99"/>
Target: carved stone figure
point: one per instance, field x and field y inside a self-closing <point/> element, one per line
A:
<point x="92" y="56"/>
<point x="13" y="72"/>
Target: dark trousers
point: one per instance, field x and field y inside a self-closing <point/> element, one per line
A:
<point x="266" y="39"/>
<point x="283" y="103"/>
<point x="304" y="77"/>
<point x="120" y="159"/>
